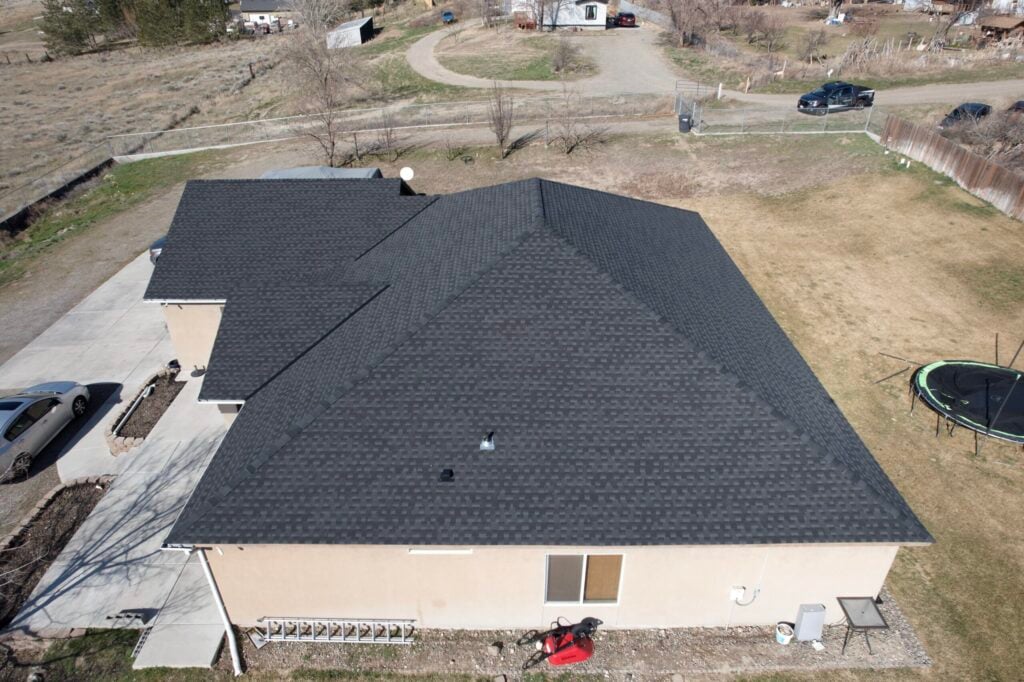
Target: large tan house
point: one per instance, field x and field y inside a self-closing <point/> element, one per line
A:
<point x="493" y="408"/>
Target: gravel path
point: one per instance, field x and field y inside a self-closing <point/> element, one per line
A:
<point x="619" y="654"/>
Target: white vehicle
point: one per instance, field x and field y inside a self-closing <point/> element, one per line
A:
<point x="33" y="418"/>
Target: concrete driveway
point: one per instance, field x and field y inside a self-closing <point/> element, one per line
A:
<point x="111" y="341"/>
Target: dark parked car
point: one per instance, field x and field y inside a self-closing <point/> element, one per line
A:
<point x="156" y="248"/>
<point x="1017" y="107"/>
<point x="625" y="19"/>
<point x="968" y="111"/>
<point x="836" y="96"/>
<point x="448" y="17"/>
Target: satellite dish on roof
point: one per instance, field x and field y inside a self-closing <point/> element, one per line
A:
<point x="406" y="173"/>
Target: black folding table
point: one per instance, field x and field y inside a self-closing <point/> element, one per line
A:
<point x="862" y="615"/>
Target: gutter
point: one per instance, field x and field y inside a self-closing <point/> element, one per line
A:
<point x="229" y="633"/>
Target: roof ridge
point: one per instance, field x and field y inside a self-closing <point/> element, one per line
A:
<point x="724" y="367"/>
<point x="377" y="243"/>
<point x="319" y="340"/>
<point x="294" y="428"/>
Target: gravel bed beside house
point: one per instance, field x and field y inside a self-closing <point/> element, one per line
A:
<point x="619" y="655"/>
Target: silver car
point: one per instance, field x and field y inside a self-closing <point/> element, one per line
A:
<point x="31" y="419"/>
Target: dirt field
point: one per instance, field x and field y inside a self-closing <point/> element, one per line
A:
<point x="856" y="258"/>
<point x="53" y="111"/>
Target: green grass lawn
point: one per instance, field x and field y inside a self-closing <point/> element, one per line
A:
<point x="120" y="188"/>
<point x="396" y="80"/>
<point x="394" y="39"/>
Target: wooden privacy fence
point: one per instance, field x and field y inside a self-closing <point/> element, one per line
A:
<point x="985" y="179"/>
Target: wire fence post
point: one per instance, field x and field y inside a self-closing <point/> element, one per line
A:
<point x="867" y="121"/>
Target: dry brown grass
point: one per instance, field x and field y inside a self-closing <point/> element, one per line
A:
<point x="855" y="258"/>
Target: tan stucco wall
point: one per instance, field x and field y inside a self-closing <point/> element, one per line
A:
<point x="229" y="411"/>
<point x="193" y="328"/>
<point x="503" y="587"/>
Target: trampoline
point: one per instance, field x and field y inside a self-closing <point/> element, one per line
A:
<point x="986" y="398"/>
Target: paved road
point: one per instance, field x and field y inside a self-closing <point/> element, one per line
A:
<point x="628" y="60"/>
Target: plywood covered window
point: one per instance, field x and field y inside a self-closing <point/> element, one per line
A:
<point x="583" y="578"/>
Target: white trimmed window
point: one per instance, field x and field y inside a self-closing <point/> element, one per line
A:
<point x="591" y="12"/>
<point x="583" y="578"/>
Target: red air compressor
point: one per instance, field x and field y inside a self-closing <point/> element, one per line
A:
<point x="563" y="644"/>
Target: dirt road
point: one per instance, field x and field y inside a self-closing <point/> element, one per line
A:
<point x="628" y="61"/>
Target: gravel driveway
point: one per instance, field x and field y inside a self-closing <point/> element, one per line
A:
<point x="628" y="60"/>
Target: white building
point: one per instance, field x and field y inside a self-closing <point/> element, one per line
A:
<point x="565" y="13"/>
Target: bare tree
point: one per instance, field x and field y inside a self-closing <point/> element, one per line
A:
<point x="500" y="111"/>
<point x="961" y="8"/>
<point x="812" y="43"/>
<point x="564" y="57"/>
<point x="320" y="76"/>
<point x="570" y="134"/>
<point x="387" y="141"/>
<point x="694" y="21"/>
<point x="772" y="34"/>
<point x="321" y="15"/>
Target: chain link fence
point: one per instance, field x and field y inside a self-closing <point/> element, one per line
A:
<point x="711" y="117"/>
<point x="410" y="116"/>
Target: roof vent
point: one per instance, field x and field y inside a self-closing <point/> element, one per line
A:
<point x="447" y="475"/>
<point x="487" y="443"/>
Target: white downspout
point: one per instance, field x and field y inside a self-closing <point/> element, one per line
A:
<point x="229" y="632"/>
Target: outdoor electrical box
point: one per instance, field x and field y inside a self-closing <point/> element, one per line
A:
<point x="810" y="622"/>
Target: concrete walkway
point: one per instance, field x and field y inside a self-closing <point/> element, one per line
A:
<point x="112" y="342"/>
<point x="114" y="561"/>
<point x="628" y="60"/>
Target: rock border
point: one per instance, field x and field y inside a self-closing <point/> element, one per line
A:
<point x="119" y="445"/>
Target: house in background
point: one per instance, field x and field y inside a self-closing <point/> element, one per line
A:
<point x="261" y="12"/>
<point x="561" y="13"/>
<point x="1002" y="27"/>
<point x="493" y="408"/>
<point x="351" y="33"/>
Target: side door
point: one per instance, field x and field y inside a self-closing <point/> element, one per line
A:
<point x="46" y="423"/>
<point x="842" y="98"/>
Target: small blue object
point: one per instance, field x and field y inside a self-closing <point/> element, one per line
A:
<point x="448" y="17"/>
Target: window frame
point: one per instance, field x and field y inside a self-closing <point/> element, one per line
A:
<point x="583" y="579"/>
<point x="14" y="422"/>
<point x="588" y="9"/>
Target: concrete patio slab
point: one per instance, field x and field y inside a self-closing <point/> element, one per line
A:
<point x="180" y="646"/>
<point x="188" y="631"/>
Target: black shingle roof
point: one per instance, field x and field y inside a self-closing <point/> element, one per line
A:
<point x="635" y="382"/>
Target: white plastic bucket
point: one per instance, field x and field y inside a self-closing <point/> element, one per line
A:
<point x="783" y="633"/>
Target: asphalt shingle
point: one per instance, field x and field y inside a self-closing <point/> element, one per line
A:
<point x="634" y="381"/>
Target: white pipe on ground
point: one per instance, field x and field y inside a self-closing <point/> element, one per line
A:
<point x="229" y="632"/>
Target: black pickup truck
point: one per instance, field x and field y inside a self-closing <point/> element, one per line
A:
<point x="836" y="96"/>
